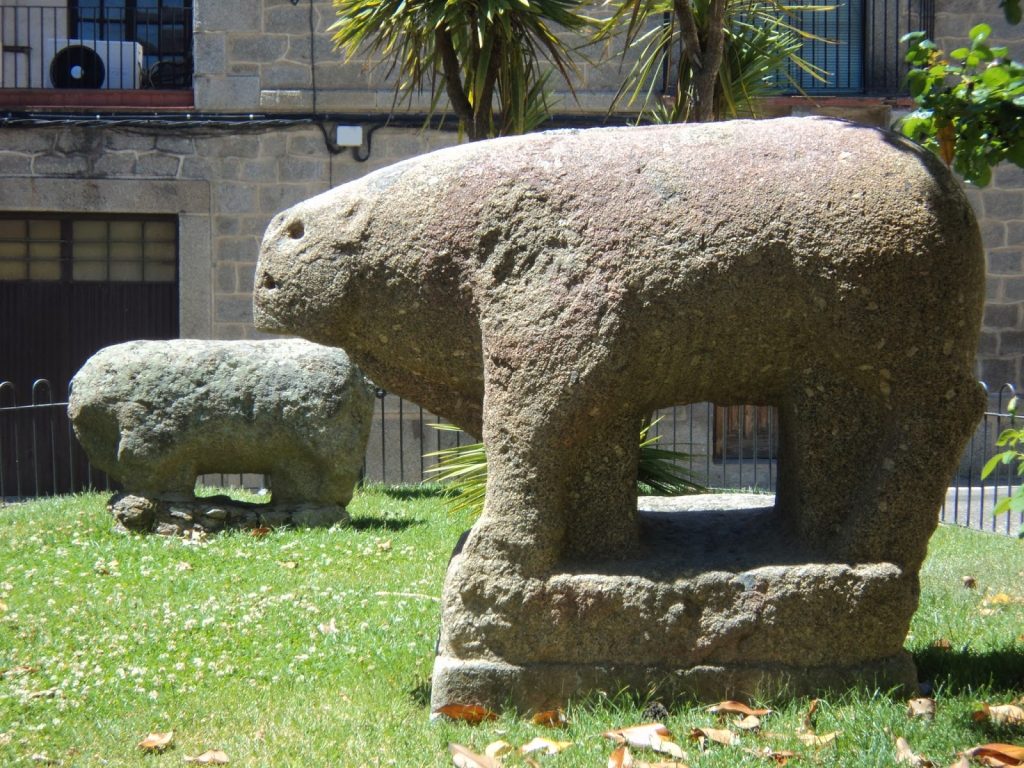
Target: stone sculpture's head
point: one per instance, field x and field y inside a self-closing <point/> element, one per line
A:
<point x="309" y="258"/>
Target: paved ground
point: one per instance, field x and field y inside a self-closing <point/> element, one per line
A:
<point x="967" y="506"/>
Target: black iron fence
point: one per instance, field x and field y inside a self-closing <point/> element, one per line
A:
<point x="99" y="46"/>
<point x="721" y="447"/>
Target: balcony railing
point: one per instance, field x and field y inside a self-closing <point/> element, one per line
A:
<point x="96" y="48"/>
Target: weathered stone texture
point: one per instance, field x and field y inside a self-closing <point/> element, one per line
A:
<point x="547" y="291"/>
<point x="155" y="415"/>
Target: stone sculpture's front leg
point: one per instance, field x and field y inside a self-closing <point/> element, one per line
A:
<point x="562" y="456"/>
<point x="523" y="527"/>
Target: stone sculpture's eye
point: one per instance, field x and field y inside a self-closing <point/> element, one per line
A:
<point x="268" y="282"/>
<point x="295" y="229"/>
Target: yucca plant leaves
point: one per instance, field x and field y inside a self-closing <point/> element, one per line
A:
<point x="759" y="40"/>
<point x="463" y="468"/>
<point x="475" y="51"/>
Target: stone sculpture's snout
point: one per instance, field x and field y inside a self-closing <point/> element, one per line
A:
<point x="308" y="257"/>
<point x="280" y="254"/>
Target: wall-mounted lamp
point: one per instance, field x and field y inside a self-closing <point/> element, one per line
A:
<point x="348" y="135"/>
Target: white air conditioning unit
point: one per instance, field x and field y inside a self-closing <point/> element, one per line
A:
<point x="92" y="64"/>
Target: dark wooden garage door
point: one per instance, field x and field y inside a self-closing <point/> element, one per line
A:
<point x="70" y="285"/>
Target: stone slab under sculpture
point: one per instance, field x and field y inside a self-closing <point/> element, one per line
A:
<point x="547" y="291"/>
<point x="154" y="415"/>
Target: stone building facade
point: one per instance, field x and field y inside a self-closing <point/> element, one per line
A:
<point x="254" y="134"/>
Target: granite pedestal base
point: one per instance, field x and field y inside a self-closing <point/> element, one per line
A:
<point x="720" y="603"/>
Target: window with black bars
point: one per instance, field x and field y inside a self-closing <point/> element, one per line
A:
<point x="89" y="248"/>
<point x="162" y="27"/>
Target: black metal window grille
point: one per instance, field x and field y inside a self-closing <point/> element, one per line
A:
<point x="89" y="248"/>
<point x="163" y="27"/>
<point x="856" y="43"/>
<point x="92" y="44"/>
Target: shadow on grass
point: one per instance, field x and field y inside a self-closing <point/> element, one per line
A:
<point x="382" y="524"/>
<point x="960" y="670"/>
<point x="406" y="492"/>
<point x="420" y="692"/>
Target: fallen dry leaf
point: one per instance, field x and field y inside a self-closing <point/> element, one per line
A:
<point x="923" y="707"/>
<point x="183" y="566"/>
<point x="717" y="735"/>
<point x="465" y="758"/>
<point x="1000" y="598"/>
<point x="648" y="736"/>
<point x="289" y="564"/>
<point x="209" y="757"/>
<point x="818" y="741"/>
<point x="946" y="135"/>
<point x="157" y="742"/>
<point x="970" y="582"/>
<point x="547" y="746"/>
<point x="5" y="739"/>
<point x="328" y="628"/>
<point x="620" y="758"/>
<point x="748" y="723"/>
<point x="781" y="756"/>
<point x="736" y="708"/>
<point x="667" y="747"/>
<point x="18" y="671"/>
<point x="812" y="711"/>
<point x="49" y="693"/>
<point x="498" y="749"/>
<point x="42" y="757"/>
<point x="998" y="755"/>
<point x="638" y="735"/>
<point x="552" y="718"/>
<point x="1000" y="714"/>
<point x="3" y="606"/>
<point x="905" y="755"/>
<point x="260" y="532"/>
<point x="466" y="713"/>
<point x="942" y="644"/>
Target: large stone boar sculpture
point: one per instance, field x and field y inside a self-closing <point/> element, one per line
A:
<point x="547" y="291"/>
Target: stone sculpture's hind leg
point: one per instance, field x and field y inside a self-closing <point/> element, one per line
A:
<point x="857" y="469"/>
<point x="927" y="429"/>
<point x="301" y="491"/>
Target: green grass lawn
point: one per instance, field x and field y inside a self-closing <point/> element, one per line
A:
<point x="314" y="648"/>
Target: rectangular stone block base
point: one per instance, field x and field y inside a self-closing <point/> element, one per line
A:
<point x="538" y="687"/>
<point x="719" y="602"/>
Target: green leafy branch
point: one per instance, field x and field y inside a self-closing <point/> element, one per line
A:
<point x="970" y="104"/>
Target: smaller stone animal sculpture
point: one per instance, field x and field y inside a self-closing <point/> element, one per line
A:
<point x="154" y="415"/>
